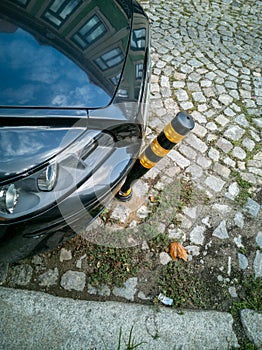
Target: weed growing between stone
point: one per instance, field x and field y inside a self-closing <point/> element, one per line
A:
<point x="131" y="344"/>
<point x="111" y="266"/>
<point x="244" y="187"/>
<point x="180" y="283"/>
<point x="251" y="298"/>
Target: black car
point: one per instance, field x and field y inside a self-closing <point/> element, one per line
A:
<point x="73" y="103"/>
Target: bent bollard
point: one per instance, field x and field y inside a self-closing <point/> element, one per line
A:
<point x="172" y="134"/>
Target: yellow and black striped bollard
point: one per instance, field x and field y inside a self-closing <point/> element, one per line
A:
<point x="172" y="134"/>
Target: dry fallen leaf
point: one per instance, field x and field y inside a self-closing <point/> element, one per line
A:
<point x="152" y="199"/>
<point x="176" y="250"/>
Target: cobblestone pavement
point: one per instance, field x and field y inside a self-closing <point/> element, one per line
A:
<point x="206" y="60"/>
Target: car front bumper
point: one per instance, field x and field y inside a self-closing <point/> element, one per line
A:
<point x="54" y="226"/>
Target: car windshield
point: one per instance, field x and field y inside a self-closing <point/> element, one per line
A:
<point x="61" y="54"/>
<point x="40" y="75"/>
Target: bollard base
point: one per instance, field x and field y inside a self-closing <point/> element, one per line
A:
<point x="124" y="196"/>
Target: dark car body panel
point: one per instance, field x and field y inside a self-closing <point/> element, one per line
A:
<point x="39" y="131"/>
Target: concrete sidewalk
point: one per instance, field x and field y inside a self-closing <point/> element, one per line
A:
<point x="35" y="320"/>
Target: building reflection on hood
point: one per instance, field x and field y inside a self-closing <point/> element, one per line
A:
<point x="72" y="52"/>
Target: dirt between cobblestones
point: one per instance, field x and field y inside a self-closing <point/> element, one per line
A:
<point x="205" y="281"/>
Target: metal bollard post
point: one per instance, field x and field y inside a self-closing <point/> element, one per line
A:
<point x="172" y="134"/>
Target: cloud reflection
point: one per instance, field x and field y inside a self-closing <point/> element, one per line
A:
<point x="40" y="75"/>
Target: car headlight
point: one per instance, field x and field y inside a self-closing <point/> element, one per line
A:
<point x="8" y="198"/>
<point x="50" y="183"/>
<point x="47" y="179"/>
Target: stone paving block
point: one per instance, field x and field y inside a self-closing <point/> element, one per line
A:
<point x="248" y="144"/>
<point x="128" y="290"/>
<point x="49" y="278"/>
<point x="204" y="162"/>
<point x="221" y="170"/>
<point x="73" y="280"/>
<point x="197" y="235"/>
<point x="76" y="324"/>
<point x="252" y="323"/>
<point x="21" y="275"/>
<point x="195" y="142"/>
<point x="214" y="154"/>
<point x="224" y="98"/>
<point x="187" y="151"/>
<point x="211" y="126"/>
<point x="199" y="97"/>
<point x="179" y="159"/>
<point x="199" y="130"/>
<point x="3" y="272"/>
<point x="259" y="239"/>
<point x="120" y="213"/>
<point x="234" y="133"/>
<point x="215" y="183"/>
<point x="258" y="264"/>
<point x="221" y="231"/>
<point x="243" y="261"/>
<point x="230" y="162"/>
<point x="222" y="120"/>
<point x="233" y="191"/>
<point x="186" y="105"/>
<point x="252" y="207"/>
<point x="65" y="255"/>
<point x="193" y="87"/>
<point x="224" y="145"/>
<point x="164" y="258"/>
<point x="195" y="170"/>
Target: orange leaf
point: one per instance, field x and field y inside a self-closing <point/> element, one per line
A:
<point x="176" y="250"/>
<point x="152" y="199"/>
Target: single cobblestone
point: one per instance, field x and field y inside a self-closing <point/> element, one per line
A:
<point x="258" y="264"/>
<point x="239" y="153"/>
<point x="234" y="133"/>
<point x="128" y="291"/>
<point x="73" y="280"/>
<point x="187" y="151"/>
<point x="221" y="170"/>
<point x="121" y="213"/>
<point x="224" y="145"/>
<point x="65" y="255"/>
<point x="252" y="321"/>
<point x="252" y="207"/>
<point x="224" y="98"/>
<point x="215" y="183"/>
<point x="49" y="278"/>
<point x="214" y="154"/>
<point x="259" y="239"/>
<point x="233" y="191"/>
<point x="199" y="130"/>
<point x="222" y="120"/>
<point x="196" y="143"/>
<point x="164" y="258"/>
<point x="3" y="272"/>
<point x="221" y="231"/>
<point x="205" y="163"/>
<point x="243" y="261"/>
<point x="197" y="235"/>
<point x="21" y="275"/>
<point x="179" y="159"/>
<point x="248" y="144"/>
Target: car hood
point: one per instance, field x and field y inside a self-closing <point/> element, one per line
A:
<point x="62" y="54"/>
<point x="28" y="142"/>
